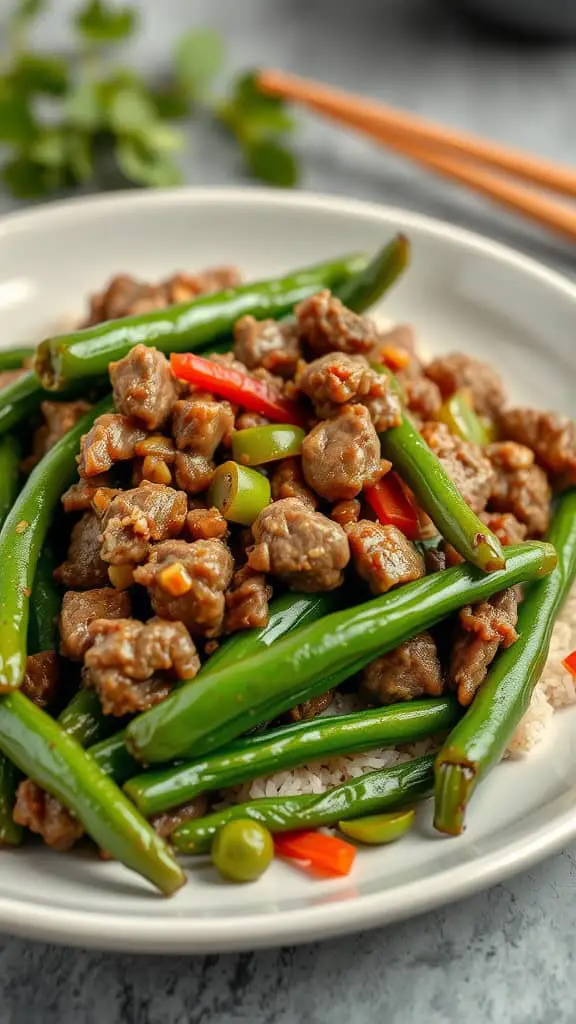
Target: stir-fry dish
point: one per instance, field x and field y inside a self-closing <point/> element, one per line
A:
<point x="269" y="578"/>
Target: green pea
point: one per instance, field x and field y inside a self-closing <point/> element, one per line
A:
<point x="242" y="850"/>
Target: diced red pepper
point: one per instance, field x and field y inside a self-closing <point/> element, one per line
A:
<point x="240" y="388"/>
<point x="569" y="663"/>
<point x="394" y="505"/>
<point x="328" y="854"/>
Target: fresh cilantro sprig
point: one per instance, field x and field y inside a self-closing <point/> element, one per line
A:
<point x="66" y="119"/>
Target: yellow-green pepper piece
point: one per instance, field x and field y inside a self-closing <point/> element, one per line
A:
<point x="239" y="493"/>
<point x="257" y="445"/>
<point x="458" y="414"/>
<point x="378" y="829"/>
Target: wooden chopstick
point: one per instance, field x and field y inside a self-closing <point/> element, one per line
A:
<point x="457" y="157"/>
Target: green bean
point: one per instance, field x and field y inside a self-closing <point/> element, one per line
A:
<point x="370" y="794"/>
<point x="188" y="326"/>
<point x="42" y="750"/>
<point x="290" y="746"/>
<point x="482" y="735"/>
<point x="21" y="541"/>
<point x="114" y="758"/>
<point x="208" y="712"/>
<point x="45" y="604"/>
<point x="9" y="474"/>
<point x="14" y="358"/>
<point x="84" y="720"/>
<point x="10" y="832"/>
<point x="362" y="290"/>
<point x="20" y="400"/>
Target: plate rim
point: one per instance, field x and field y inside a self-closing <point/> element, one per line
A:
<point x="125" y="932"/>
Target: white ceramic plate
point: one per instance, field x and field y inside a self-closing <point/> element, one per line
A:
<point x="462" y="292"/>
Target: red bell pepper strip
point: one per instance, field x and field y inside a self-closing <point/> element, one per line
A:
<point x="240" y="388"/>
<point x="569" y="663"/>
<point x="394" y="505"/>
<point x="328" y="854"/>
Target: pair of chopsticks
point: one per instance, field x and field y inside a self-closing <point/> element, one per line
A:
<point x="483" y="166"/>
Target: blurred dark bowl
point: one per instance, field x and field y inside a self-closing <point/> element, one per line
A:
<point x="554" y="19"/>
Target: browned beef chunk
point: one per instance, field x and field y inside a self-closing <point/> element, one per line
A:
<point x="133" y="665"/>
<point x="383" y="556"/>
<point x="187" y="582"/>
<point x="552" y="438"/>
<point x="80" y="609"/>
<point x="341" y="455"/>
<point x="412" y="670"/>
<point x="505" y="526"/>
<point x="182" y="287"/>
<point x="519" y="486"/>
<point x="167" y="821"/>
<point x="135" y="518"/>
<point x="200" y="423"/>
<point x="41" y="679"/>
<point x="79" y="496"/>
<point x="435" y="559"/>
<point x="465" y="463"/>
<point x="325" y="325"/>
<point x="337" y="378"/>
<point x="310" y="708"/>
<point x="112" y="438"/>
<point x="193" y="473"/>
<point x="399" y="339"/>
<point x="461" y="371"/>
<point x="483" y="628"/>
<point x="421" y="395"/>
<point x="303" y="547"/>
<point x="287" y="481"/>
<point x="59" y="418"/>
<point x="125" y="296"/>
<point x="144" y="388"/>
<point x="84" y="568"/>
<point x="268" y="344"/>
<point x="346" y="512"/>
<point x="247" y="601"/>
<point x="246" y="420"/>
<point x="45" y="815"/>
<point x="205" y="523"/>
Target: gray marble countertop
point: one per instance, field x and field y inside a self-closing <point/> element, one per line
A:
<point x="506" y="955"/>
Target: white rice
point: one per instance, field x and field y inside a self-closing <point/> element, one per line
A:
<point x="556" y="689"/>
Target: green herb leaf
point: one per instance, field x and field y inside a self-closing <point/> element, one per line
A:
<point x="80" y="158"/>
<point x="131" y="112"/>
<point x="100" y="24"/>
<point x="51" y="148"/>
<point x="271" y="162"/>
<point x="144" y="166"/>
<point x="17" y="124"/>
<point x="171" y="102"/>
<point x="27" y="10"/>
<point x="83" y="107"/>
<point x="36" y="72"/>
<point x="26" y="179"/>
<point x="198" y="58"/>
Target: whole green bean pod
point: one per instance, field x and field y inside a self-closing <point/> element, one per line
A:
<point x="41" y="749"/>
<point x="21" y="541"/>
<point x="372" y="793"/>
<point x="20" y="400"/>
<point x="439" y="496"/>
<point x="363" y="289"/>
<point x="10" y="832"/>
<point x="185" y="327"/>
<point x="208" y="712"/>
<point x="84" y="720"/>
<point x="482" y="735"/>
<point x="14" y="358"/>
<point x="290" y="746"/>
<point x="45" y="604"/>
<point x="9" y="474"/>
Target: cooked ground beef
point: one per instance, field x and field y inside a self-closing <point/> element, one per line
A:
<point x="133" y="665"/>
<point x="461" y="371"/>
<point x="325" y="325"/>
<point x="246" y="420"/>
<point x="465" y="463"/>
<point x="41" y="679"/>
<point x="310" y="708"/>
<point x="193" y="473"/>
<point x="552" y="438"/>
<point x="247" y="601"/>
<point x="144" y="388"/>
<point x="483" y="628"/>
<point x="79" y="496"/>
<point x="341" y="455"/>
<point x="412" y="670"/>
<point x="519" y="486"/>
<point x="268" y="344"/>
<point x="112" y="438"/>
<point x="505" y="526"/>
<point x="199" y="424"/>
<point x="207" y="569"/>
<point x="397" y="339"/>
<point x="303" y="547"/>
<point x="45" y="815"/>
<point x="346" y="512"/>
<point x="182" y="287"/>
<point x="80" y="609"/>
<point x="435" y="559"/>
<point x="287" y="481"/>
<point x="59" y="418"/>
<point x="421" y="395"/>
<point x="337" y="378"/>
<point x="136" y="518"/>
<point x="204" y="523"/>
<point x="125" y="296"/>
<point x="84" y="568"/>
<point x="383" y="556"/>
<point x="167" y="821"/>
